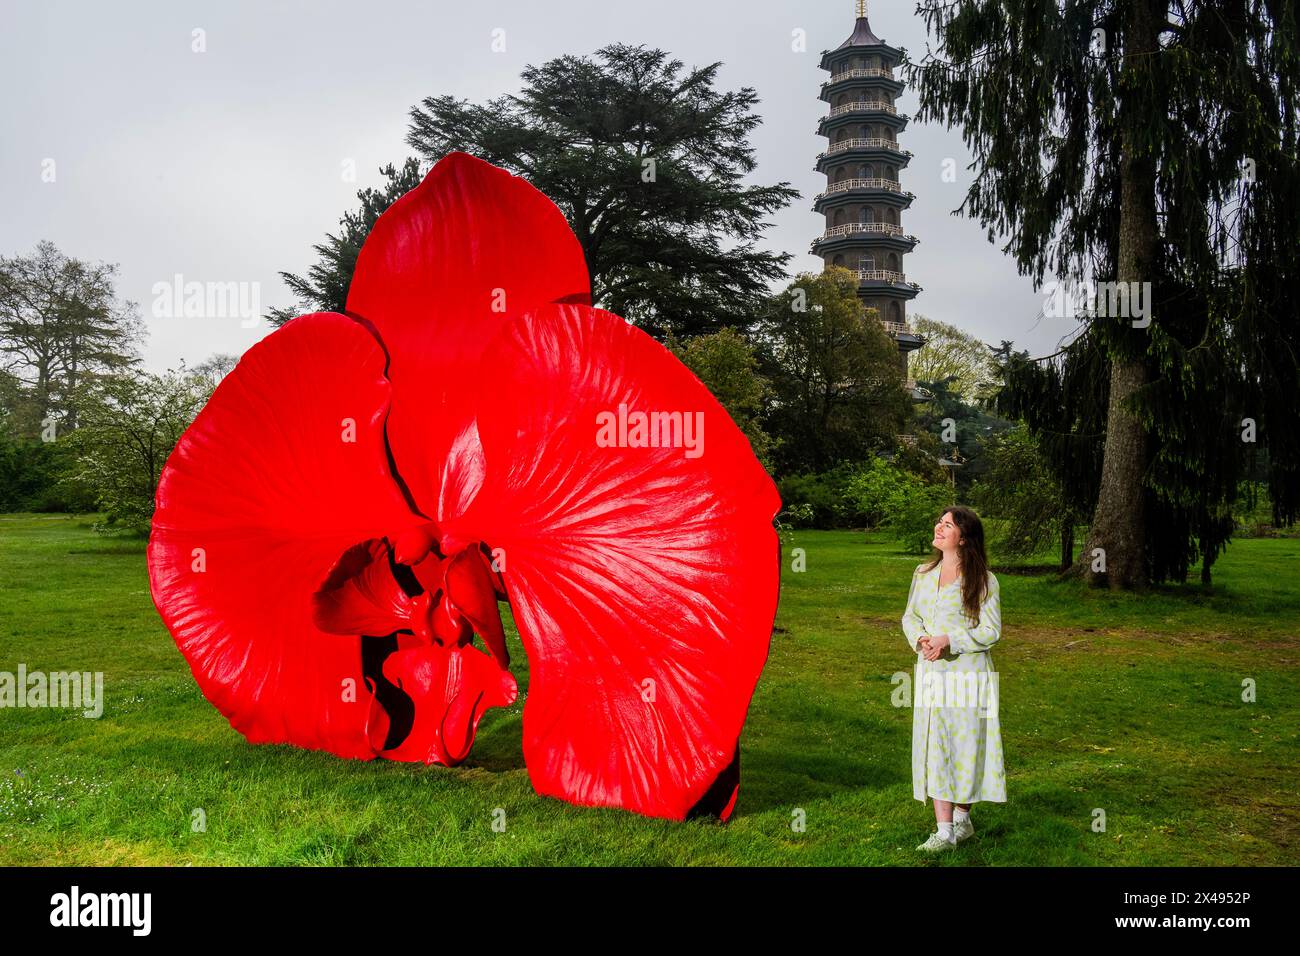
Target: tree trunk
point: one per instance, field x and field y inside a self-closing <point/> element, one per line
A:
<point x="70" y="416"/>
<point x="1067" y="543"/>
<point x="42" y="392"/>
<point x="1119" y="521"/>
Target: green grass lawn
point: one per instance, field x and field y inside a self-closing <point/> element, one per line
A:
<point x="1127" y="704"/>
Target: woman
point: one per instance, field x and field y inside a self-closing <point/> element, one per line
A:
<point x="953" y="617"/>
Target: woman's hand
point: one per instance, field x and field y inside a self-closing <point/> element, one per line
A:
<point x="933" y="646"/>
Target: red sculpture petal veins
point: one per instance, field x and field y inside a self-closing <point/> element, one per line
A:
<point x="442" y="271"/>
<point x="281" y="473"/>
<point x="643" y="573"/>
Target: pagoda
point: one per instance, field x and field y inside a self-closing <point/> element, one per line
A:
<point x="863" y="201"/>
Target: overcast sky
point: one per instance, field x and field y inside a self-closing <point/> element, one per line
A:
<point x="226" y="165"/>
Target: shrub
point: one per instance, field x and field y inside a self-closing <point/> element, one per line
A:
<point x="128" y="427"/>
<point x="873" y="494"/>
<point x="913" y="510"/>
<point x="33" y="477"/>
<point x="811" y="502"/>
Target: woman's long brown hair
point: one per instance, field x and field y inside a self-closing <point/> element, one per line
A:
<point x="974" y="563"/>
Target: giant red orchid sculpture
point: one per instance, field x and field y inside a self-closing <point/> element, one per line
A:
<point x="362" y="490"/>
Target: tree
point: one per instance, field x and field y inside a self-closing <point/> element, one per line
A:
<point x="216" y="367"/>
<point x="872" y="488"/>
<point x="30" y="467"/>
<point x="913" y="509"/>
<point x="61" y="324"/>
<point x="129" y="425"/>
<point x="1150" y="144"/>
<point x="953" y="355"/>
<point x="1064" y="407"/>
<point x="648" y="162"/>
<point x="19" y="415"/>
<point x="1019" y="489"/>
<point x="958" y="427"/>
<point x="837" y="379"/>
<point x="728" y="367"/>
<point x="325" y="286"/>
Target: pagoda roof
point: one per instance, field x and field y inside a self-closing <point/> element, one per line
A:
<point x="862" y="36"/>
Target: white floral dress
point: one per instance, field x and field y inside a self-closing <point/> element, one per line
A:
<point x="956" y="737"/>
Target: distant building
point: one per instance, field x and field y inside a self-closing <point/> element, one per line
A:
<point x="863" y="202"/>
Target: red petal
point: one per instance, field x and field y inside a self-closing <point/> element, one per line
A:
<point x="413" y="546"/>
<point x="451" y="688"/>
<point x="429" y="573"/>
<point x="439" y="274"/>
<point x="361" y="596"/>
<point x="469" y="588"/>
<point x="624" y="565"/>
<point x="266" y="489"/>
<point x="449" y="626"/>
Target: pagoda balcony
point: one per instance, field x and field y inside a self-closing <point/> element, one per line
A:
<point x="875" y="80"/>
<point x="908" y="384"/>
<point x="869" y="73"/>
<point x="867" y="276"/>
<point x="852" y="228"/>
<point x="890" y="235"/>
<point x="869" y="142"/>
<point x="850" y="185"/>
<point x="862" y="106"/>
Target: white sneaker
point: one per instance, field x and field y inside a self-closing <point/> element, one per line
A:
<point x="962" y="830"/>
<point x="936" y="844"/>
